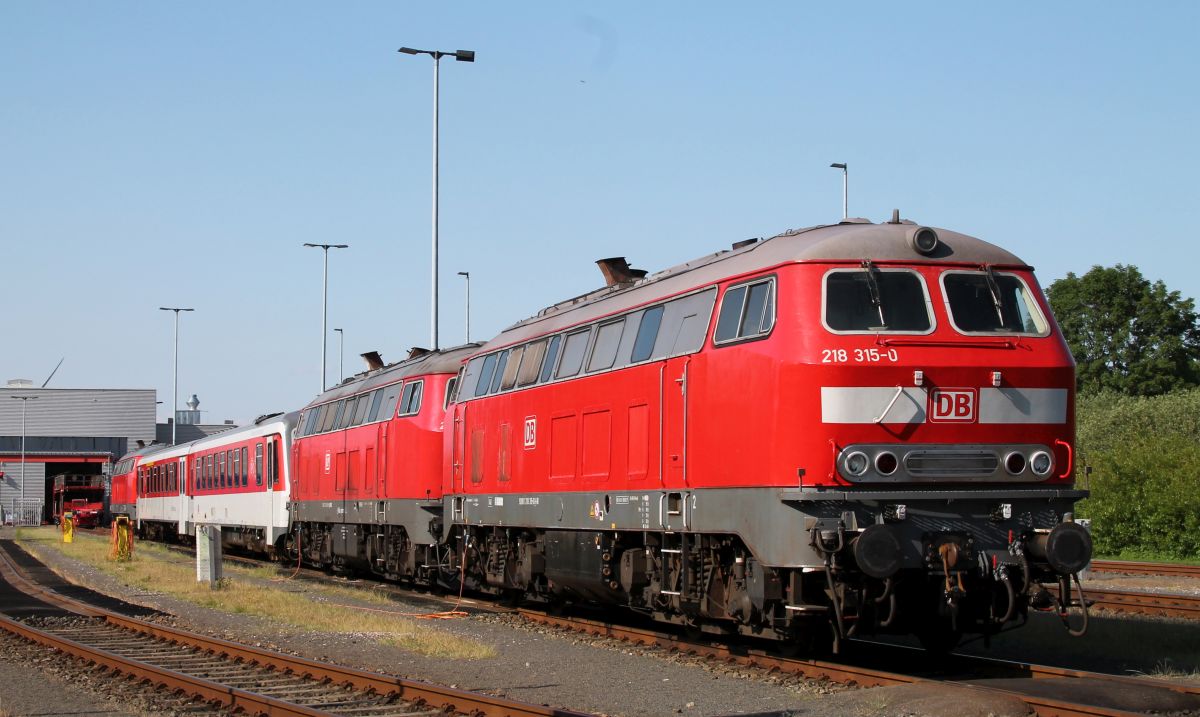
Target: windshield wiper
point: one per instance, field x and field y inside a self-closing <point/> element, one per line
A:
<point x="873" y="287"/>
<point x="995" y="289"/>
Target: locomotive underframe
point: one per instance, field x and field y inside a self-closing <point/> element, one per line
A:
<point x="951" y="561"/>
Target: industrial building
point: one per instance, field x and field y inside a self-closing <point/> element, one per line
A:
<point x="46" y="432"/>
<point x="50" y="431"/>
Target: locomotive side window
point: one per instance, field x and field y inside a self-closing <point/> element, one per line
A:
<point x="451" y="387"/>
<point x="360" y="410"/>
<point x="386" y="407"/>
<point x="328" y="413"/>
<point x="531" y="363"/>
<point x="647" y="332"/>
<point x="551" y="358"/>
<point x="572" y="355"/>
<point x="410" y="402"/>
<point x="873" y="300"/>
<point x="747" y="311"/>
<point x="989" y="302"/>
<point x="501" y="365"/>
<point x="604" y="351"/>
<point x="484" y="381"/>
<point x="510" y="371"/>
<point x="685" y="324"/>
<point x="348" y="412"/>
<point x="376" y="399"/>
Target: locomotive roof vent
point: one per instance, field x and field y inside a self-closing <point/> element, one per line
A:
<point x="373" y="359"/>
<point x="746" y="242"/>
<point x="617" y="271"/>
<point x="855" y="220"/>
<point x="416" y="351"/>
<point x="923" y="240"/>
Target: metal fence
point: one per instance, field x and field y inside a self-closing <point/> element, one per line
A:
<point x="23" y="512"/>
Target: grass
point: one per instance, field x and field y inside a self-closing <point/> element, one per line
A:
<point x="249" y="591"/>
<point x="1167" y="670"/>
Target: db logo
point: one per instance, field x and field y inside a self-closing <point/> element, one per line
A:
<point x="531" y="432"/>
<point x="952" y="405"/>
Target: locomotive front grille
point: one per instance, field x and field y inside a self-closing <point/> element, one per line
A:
<point x="951" y="464"/>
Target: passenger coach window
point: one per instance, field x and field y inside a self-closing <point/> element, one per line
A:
<point x="572" y="355"/>
<point x="876" y="300"/>
<point x="746" y="311"/>
<point x="990" y="302"/>
<point x="258" y="467"/>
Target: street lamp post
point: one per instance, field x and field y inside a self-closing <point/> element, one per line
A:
<point x="175" y="379"/>
<point x="467" y="275"/>
<point x="325" y="302"/>
<point x="24" y="402"/>
<point x="437" y="55"/>
<point x="341" y="352"/>
<point x="845" y="188"/>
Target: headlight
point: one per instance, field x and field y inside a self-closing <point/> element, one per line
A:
<point x="856" y="463"/>
<point x="1014" y="463"/>
<point x="1041" y="463"/>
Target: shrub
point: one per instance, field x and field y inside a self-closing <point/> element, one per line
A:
<point x="1145" y="455"/>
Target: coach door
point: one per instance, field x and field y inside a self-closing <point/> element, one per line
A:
<point x="674" y="443"/>
<point x="185" y="508"/>
<point x="274" y="484"/>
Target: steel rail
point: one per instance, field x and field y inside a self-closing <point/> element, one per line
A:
<point x="444" y="699"/>
<point x="1146" y="603"/>
<point x="1129" y="567"/>
<point x="848" y="674"/>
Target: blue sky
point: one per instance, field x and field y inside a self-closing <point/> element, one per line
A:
<point x="170" y="154"/>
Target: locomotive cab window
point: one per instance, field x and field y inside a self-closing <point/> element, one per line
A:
<point x="990" y="302"/>
<point x="410" y="402"/>
<point x="747" y="311"/>
<point x="874" y="300"/>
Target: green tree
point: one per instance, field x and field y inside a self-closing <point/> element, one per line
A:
<point x="1127" y="334"/>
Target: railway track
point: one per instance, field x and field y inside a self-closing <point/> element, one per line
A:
<point x="1043" y="688"/>
<point x="1146" y="603"/>
<point x="239" y="677"/>
<point x="1135" y="568"/>
<point x="1048" y="691"/>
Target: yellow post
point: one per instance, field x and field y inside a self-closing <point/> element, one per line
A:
<point x="122" y="540"/>
<point x="68" y="527"/>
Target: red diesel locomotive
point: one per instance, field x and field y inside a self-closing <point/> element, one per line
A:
<point x="840" y="430"/>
